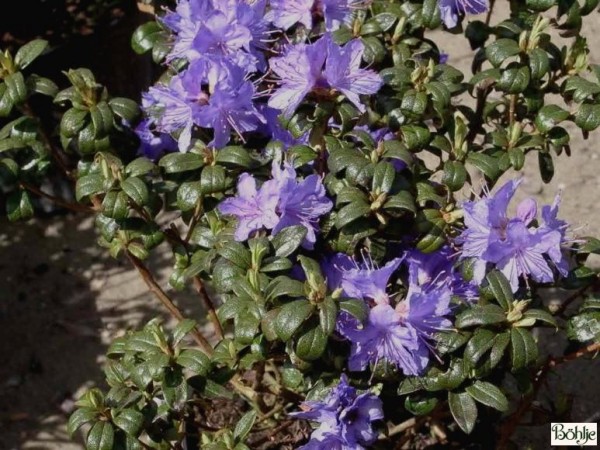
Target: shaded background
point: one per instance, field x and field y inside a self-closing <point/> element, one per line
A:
<point x="63" y="299"/>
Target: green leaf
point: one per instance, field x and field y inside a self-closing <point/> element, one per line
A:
<point x="188" y="195"/>
<point x="539" y="63"/>
<point x="235" y="156"/>
<point x="500" y="288"/>
<point x="140" y="166"/>
<point x="591" y="245"/>
<point x="30" y="51"/>
<point x="244" y="425"/>
<point x="524" y="349"/>
<point x="80" y="417"/>
<point x="481" y="342"/>
<point x="431" y="15"/>
<point x="546" y="166"/>
<point x="18" y="206"/>
<point x="500" y="343"/>
<point x="354" y="307"/>
<point x="311" y="344"/>
<point x="587" y="117"/>
<point x="100" y="437"/>
<point x="130" y="421"/>
<point x="136" y="190"/>
<point x="195" y="361"/>
<point x="41" y="85"/>
<point x="455" y="175"/>
<point x="499" y="51"/>
<point x="581" y="88"/>
<point x="463" y="409"/>
<point x="540" y="315"/>
<point x="328" y="312"/>
<point x="488" y="394"/>
<point x="89" y="185"/>
<point x="449" y="341"/>
<point x="145" y="36"/>
<point x="487" y="164"/>
<point x="351" y="212"/>
<point x="383" y="177"/>
<point x="73" y="120"/>
<point x="584" y="327"/>
<point x="291" y="316"/>
<point x="550" y="116"/>
<point x="283" y="285"/>
<point x="514" y="80"/>
<point x="288" y="240"/>
<point x="419" y="406"/>
<point x="212" y="180"/>
<point x="182" y="329"/>
<point x="403" y="200"/>
<point x="237" y="253"/>
<point x="181" y="162"/>
<point x="413" y="103"/>
<point x="115" y="205"/>
<point x="480" y="315"/>
<point x="125" y="108"/>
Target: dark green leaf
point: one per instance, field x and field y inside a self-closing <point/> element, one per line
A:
<point x="145" y="36"/>
<point x="587" y="117"/>
<point x="244" y="425"/>
<point x="237" y="253"/>
<point x="18" y="206"/>
<point x="234" y="155"/>
<point x="288" y="240"/>
<point x="499" y="51"/>
<point x="125" y="108"/>
<point x="549" y="116"/>
<point x="181" y="162"/>
<point x="328" y="311"/>
<point x="354" y="307"/>
<point x="540" y="315"/>
<point x="350" y="213"/>
<point x="188" y="195"/>
<point x="524" y="349"/>
<point x="80" y="417"/>
<point x="115" y="205"/>
<point x="585" y="327"/>
<point x="212" y="180"/>
<point x="488" y="394"/>
<point x="546" y="166"/>
<point x="311" y="344"/>
<point x="455" y="175"/>
<point x="419" y="406"/>
<point x="481" y="342"/>
<point x="30" y="51"/>
<point x="480" y="315"/>
<point x="130" y="421"/>
<point x="463" y="409"/>
<point x="100" y="437"/>
<point x="194" y="360"/>
<point x="136" y="190"/>
<point x="291" y="316"/>
<point x="500" y="288"/>
<point x="487" y="164"/>
<point x="383" y="177"/>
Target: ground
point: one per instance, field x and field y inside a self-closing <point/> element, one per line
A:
<point x="63" y="299"/>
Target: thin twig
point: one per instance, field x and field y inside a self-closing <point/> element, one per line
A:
<point x="210" y="307"/>
<point x="509" y="426"/>
<point x="167" y="302"/>
<point x="488" y="18"/>
<point x="577" y="294"/>
<point x="58" y="201"/>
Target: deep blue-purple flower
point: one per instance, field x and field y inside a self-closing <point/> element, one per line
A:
<point x="230" y="106"/>
<point x="452" y="9"/>
<point x="286" y="13"/>
<point x="321" y="66"/>
<point x="300" y="202"/>
<point x="362" y="280"/>
<point x="345" y="418"/>
<point x="153" y="145"/>
<point x="254" y="208"/>
<point x="514" y="245"/>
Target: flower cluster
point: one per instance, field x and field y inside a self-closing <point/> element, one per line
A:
<point x="517" y="246"/>
<point x="345" y="418"/>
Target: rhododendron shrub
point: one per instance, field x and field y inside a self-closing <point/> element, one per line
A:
<point x="359" y="297"/>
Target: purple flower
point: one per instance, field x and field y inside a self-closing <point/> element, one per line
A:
<point x="153" y="145"/>
<point x="254" y="209"/>
<point x="172" y="107"/>
<point x="425" y="310"/>
<point x="223" y="31"/>
<point x="364" y="280"/>
<point x="286" y="13"/>
<point x="515" y="246"/>
<point x="321" y="66"/>
<point x="451" y="9"/>
<point x="229" y="106"/>
<point x="437" y="269"/>
<point x="384" y="336"/>
<point x="273" y="128"/>
<point x="300" y="202"/>
<point x="345" y="418"/>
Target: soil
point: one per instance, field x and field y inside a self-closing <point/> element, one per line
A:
<point x="63" y="299"/>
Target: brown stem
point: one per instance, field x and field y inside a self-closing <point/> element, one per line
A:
<point x="58" y="201"/>
<point x="509" y="426"/>
<point x="194" y="221"/>
<point x="166" y="301"/>
<point x="488" y="17"/>
<point x="210" y="307"/>
<point x="511" y="109"/>
<point x="564" y="305"/>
